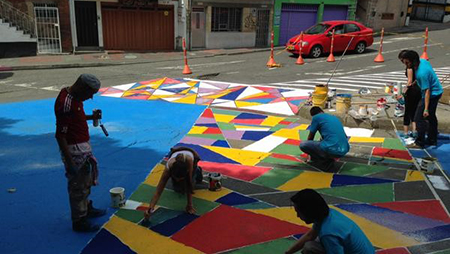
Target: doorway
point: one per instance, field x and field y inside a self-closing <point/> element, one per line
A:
<point x="198" y="28"/>
<point x="86" y="24"/>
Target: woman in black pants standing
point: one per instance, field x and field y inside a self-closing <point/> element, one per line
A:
<point x="412" y="97"/>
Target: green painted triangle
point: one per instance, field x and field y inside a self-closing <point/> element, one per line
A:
<point x="393" y="143"/>
<point x="130" y="215"/>
<point x="277" y="177"/>
<point x="171" y="199"/>
<point x="226" y="126"/>
<point x="225" y="112"/>
<point x="278" y="127"/>
<point x="275" y="161"/>
<point x="370" y="193"/>
<point x="356" y="169"/>
<point x="276" y="246"/>
<point x="305" y="133"/>
<point x="287" y="149"/>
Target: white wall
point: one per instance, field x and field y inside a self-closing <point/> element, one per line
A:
<point x="10" y="34"/>
<point x="218" y="40"/>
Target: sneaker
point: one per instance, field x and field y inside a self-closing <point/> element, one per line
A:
<point x="414" y="146"/>
<point x="84" y="225"/>
<point x="94" y="212"/>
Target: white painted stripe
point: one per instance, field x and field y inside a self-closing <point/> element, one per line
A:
<point x="311" y="86"/>
<point x="357" y="81"/>
<point x="266" y="144"/>
<point x="335" y="83"/>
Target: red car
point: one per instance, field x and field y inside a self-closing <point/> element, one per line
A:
<point x="317" y="39"/>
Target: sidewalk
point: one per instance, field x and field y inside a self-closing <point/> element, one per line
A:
<point x="108" y="58"/>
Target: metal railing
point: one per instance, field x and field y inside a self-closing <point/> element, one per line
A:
<point x="17" y="18"/>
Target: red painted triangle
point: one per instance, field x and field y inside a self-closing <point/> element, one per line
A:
<point x="226" y="228"/>
<point x="208" y="113"/>
<point x="265" y="89"/>
<point x="172" y="81"/>
<point x="431" y="209"/>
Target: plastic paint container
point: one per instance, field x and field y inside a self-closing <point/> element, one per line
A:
<point x="117" y="197"/>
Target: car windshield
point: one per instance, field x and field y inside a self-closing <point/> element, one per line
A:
<point x="317" y="29"/>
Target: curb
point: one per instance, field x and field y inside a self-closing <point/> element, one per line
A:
<point x="86" y="65"/>
<point x="381" y="123"/>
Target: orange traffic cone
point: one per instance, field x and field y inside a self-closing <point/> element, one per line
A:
<point x="271" y="62"/>
<point x="379" y="58"/>
<point x="186" y="69"/>
<point x="425" y="46"/>
<point x="331" y="56"/>
<point x="300" y="60"/>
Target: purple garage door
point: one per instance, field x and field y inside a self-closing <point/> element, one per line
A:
<point x="335" y="12"/>
<point x="296" y="18"/>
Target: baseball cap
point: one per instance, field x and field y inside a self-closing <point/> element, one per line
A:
<point x="90" y="80"/>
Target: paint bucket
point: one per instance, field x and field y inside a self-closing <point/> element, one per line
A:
<point x="362" y="110"/>
<point x="381" y="103"/>
<point x="398" y="88"/>
<point x="428" y="164"/>
<point x="343" y="103"/>
<point x="319" y="99"/>
<point x="117" y="197"/>
<point x="215" y="181"/>
<point x="320" y="96"/>
<point x="389" y="88"/>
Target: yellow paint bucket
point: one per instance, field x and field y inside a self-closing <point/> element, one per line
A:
<point x="343" y="103"/>
<point x="319" y="99"/>
<point x="321" y="89"/>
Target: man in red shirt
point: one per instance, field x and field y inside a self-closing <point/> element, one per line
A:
<point x="72" y="134"/>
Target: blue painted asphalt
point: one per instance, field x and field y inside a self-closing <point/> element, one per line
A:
<point x="36" y="218"/>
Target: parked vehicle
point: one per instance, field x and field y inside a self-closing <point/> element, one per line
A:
<point x="317" y="39"/>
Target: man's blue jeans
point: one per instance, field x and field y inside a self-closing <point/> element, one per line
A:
<point x="313" y="149"/>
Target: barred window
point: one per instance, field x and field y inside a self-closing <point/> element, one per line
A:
<point x="226" y="19"/>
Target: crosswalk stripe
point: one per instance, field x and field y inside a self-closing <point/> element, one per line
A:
<point x="355" y="82"/>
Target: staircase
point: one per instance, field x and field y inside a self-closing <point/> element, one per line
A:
<point x="17" y="32"/>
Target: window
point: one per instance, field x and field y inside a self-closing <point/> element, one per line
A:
<point x="226" y="19"/>
<point x="339" y="29"/>
<point x="351" y="28"/>
<point x="317" y="29"/>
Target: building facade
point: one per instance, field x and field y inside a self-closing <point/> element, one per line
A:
<point x="431" y="10"/>
<point x="378" y="14"/>
<point x="294" y="16"/>
<point x="229" y="24"/>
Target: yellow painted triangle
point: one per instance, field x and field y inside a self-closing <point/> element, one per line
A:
<point x="153" y="178"/>
<point x="157" y="84"/>
<point x="282" y="213"/>
<point x="272" y="121"/>
<point x="197" y="130"/>
<point x="131" y="92"/>
<point x="246" y="104"/>
<point x="308" y="179"/>
<point x="248" y="158"/>
<point x="189" y="99"/>
<point x="185" y="91"/>
<point x="288" y="133"/>
<point x="142" y="240"/>
<point x="192" y="83"/>
<point x="388" y="239"/>
<point x="414" y="175"/>
<point x="365" y="140"/>
<point x="253" y="96"/>
<point x="222" y="118"/>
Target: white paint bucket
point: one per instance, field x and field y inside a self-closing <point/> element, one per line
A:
<point x="428" y="165"/>
<point x="117" y="197"/>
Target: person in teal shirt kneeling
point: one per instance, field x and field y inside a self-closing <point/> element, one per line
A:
<point x="336" y="233"/>
<point x="334" y="142"/>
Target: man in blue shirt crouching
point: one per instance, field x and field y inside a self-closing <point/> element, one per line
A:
<point x="337" y="233"/>
<point x="334" y="142"/>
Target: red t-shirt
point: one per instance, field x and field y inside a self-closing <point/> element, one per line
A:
<point x="70" y="119"/>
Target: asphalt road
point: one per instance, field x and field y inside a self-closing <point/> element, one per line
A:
<point x="243" y="68"/>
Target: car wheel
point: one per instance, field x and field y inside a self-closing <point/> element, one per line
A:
<point x="316" y="51"/>
<point x="360" y="47"/>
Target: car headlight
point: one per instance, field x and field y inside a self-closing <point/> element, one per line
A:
<point x="305" y="43"/>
